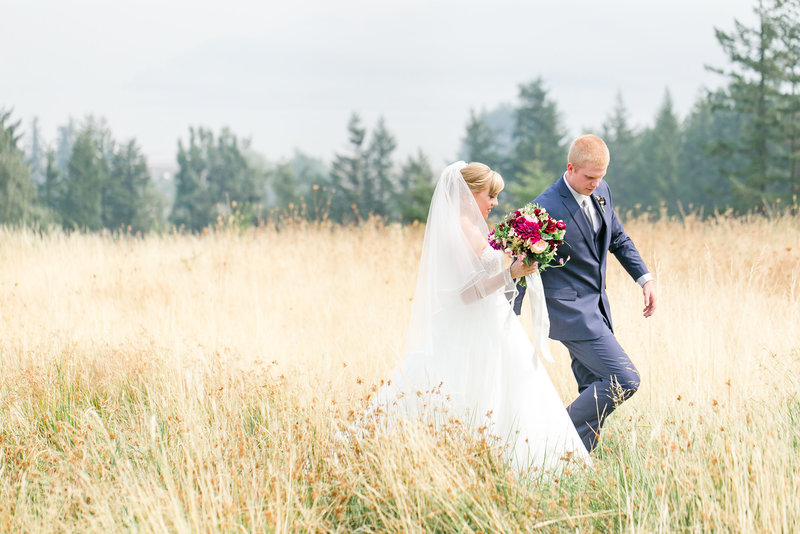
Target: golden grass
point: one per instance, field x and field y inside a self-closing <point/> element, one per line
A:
<point x="195" y="383"/>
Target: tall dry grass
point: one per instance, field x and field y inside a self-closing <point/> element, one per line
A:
<point x="193" y="384"/>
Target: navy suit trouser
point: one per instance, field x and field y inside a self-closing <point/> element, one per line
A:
<point x="605" y="376"/>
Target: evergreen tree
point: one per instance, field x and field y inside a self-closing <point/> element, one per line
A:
<point x="193" y="207"/>
<point x="66" y="138"/>
<point x="233" y="183"/>
<point x="788" y="28"/>
<point x="622" y="143"/>
<point x="312" y="181"/>
<point x="379" y="191"/>
<point x="501" y="120"/>
<point x="51" y="188"/>
<point x="530" y="181"/>
<point x="538" y="135"/>
<point x="300" y="184"/>
<point x="703" y="167"/>
<point x="285" y="187"/>
<point x="416" y="186"/>
<point x="480" y="143"/>
<point x="214" y="179"/>
<point x="754" y="92"/>
<point x="37" y="154"/>
<point x="130" y="201"/>
<point x="348" y="175"/>
<point x="88" y="172"/>
<point x="657" y="178"/>
<point x="17" y="190"/>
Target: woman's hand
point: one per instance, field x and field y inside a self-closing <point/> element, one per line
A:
<point x="519" y="269"/>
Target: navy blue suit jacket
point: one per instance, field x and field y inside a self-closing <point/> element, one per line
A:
<point x="576" y="293"/>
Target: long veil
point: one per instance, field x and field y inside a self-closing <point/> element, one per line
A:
<point x="451" y="282"/>
<point x="450" y="264"/>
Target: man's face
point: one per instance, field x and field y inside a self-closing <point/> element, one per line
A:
<point x="585" y="180"/>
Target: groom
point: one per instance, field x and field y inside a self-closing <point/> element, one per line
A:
<point x="580" y="316"/>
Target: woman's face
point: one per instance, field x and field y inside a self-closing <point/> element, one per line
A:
<point x="485" y="201"/>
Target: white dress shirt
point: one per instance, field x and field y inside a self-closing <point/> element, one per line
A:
<point x="594" y="218"/>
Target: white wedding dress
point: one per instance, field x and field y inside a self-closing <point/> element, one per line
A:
<point x="467" y="355"/>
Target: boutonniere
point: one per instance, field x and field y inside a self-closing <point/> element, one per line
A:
<point x="602" y="201"/>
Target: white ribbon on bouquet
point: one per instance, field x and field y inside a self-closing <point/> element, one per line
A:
<point x="539" y="317"/>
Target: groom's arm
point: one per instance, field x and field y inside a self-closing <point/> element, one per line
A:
<point x="624" y="249"/>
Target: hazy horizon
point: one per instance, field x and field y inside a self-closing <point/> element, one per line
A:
<point x="289" y="76"/>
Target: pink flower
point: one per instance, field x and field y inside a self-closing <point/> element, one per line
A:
<point x="560" y="225"/>
<point x="539" y="246"/>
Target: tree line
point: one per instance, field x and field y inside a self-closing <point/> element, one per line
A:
<point x="738" y="148"/>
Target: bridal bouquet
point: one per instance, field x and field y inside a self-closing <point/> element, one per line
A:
<point x="530" y="232"/>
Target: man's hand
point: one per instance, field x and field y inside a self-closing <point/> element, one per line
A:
<point x="649" y="292"/>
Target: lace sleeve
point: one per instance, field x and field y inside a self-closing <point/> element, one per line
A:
<point x="481" y="289"/>
<point x="493" y="262"/>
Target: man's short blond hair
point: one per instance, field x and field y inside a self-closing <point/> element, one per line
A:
<point x="589" y="151"/>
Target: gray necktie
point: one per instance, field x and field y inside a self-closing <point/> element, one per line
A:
<point x="589" y="215"/>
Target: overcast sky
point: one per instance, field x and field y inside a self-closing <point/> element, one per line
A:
<point x="289" y="74"/>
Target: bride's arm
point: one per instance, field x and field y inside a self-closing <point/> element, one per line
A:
<point x="482" y="288"/>
<point x="503" y="279"/>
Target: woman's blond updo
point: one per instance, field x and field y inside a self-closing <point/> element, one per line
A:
<point x="480" y="177"/>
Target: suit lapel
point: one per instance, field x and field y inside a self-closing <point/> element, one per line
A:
<point x="578" y="218"/>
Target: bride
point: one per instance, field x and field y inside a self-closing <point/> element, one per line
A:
<point x="466" y="352"/>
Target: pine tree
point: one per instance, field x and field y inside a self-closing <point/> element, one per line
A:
<point x="215" y="179"/>
<point x="348" y="175"/>
<point x="529" y="183"/>
<point x="193" y="207"/>
<point x="754" y="92"/>
<point x="380" y="188"/>
<point x="622" y="143"/>
<point x="51" y="188"/>
<point x="233" y="183"/>
<point x="788" y="28"/>
<point x="37" y="153"/>
<point x="538" y="134"/>
<point x="17" y="190"/>
<point x="480" y="142"/>
<point x="88" y="172"/>
<point x="130" y="201"/>
<point x="285" y="187"/>
<point x="416" y="188"/>
<point x="657" y="178"/>
<point x="312" y="177"/>
<point x="703" y="166"/>
<point x="66" y="138"/>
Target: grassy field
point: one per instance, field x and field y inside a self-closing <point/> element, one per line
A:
<point x="195" y="383"/>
